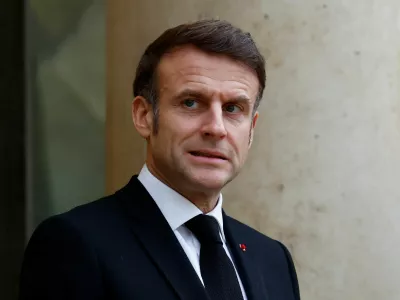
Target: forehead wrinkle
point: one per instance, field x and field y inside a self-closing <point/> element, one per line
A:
<point x="205" y="80"/>
<point x="192" y="66"/>
<point x="213" y="73"/>
<point x="220" y="88"/>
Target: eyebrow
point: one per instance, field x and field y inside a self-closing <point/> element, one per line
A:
<point x="197" y="94"/>
<point x="189" y="93"/>
<point x="241" y="99"/>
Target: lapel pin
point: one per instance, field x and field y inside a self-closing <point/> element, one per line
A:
<point x="243" y="247"/>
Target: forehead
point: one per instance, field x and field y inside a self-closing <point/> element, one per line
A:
<point x="189" y="66"/>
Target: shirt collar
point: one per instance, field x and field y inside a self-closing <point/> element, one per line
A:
<point x="176" y="209"/>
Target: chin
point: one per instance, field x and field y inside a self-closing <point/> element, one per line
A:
<point x="212" y="180"/>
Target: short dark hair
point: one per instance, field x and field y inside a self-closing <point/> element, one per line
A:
<point x="212" y="36"/>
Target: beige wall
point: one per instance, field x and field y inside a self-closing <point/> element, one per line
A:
<point x="324" y="171"/>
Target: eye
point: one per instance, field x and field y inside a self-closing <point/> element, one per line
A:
<point x="232" y="108"/>
<point x="191" y="103"/>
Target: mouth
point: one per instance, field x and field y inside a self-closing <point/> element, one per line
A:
<point x="209" y="154"/>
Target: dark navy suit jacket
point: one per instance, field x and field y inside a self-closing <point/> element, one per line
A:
<point x="121" y="247"/>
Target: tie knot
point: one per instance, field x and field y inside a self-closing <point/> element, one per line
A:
<point x="205" y="228"/>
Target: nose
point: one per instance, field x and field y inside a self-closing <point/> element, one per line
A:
<point x="214" y="126"/>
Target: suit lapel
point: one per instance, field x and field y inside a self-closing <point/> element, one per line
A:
<point x="247" y="268"/>
<point x="156" y="236"/>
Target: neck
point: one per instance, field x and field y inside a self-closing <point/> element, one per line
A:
<point x="205" y="201"/>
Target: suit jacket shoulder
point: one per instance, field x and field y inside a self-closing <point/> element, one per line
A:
<point x="118" y="247"/>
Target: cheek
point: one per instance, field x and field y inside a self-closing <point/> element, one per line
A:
<point x="181" y="128"/>
<point x="240" y="141"/>
<point x="170" y="137"/>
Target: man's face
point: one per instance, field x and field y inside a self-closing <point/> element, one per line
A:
<point x="205" y="121"/>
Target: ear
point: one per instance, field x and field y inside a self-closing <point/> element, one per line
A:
<point x="142" y="116"/>
<point x="253" y="125"/>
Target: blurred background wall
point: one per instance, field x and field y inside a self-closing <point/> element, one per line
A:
<point x="323" y="173"/>
<point x="65" y="49"/>
<point x="52" y="154"/>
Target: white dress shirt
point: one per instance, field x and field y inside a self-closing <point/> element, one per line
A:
<point x="177" y="210"/>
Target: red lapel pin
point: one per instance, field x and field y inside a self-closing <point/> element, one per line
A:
<point x="243" y="247"/>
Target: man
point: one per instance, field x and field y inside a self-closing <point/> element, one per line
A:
<point x="164" y="235"/>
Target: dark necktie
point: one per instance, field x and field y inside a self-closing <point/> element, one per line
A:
<point x="217" y="270"/>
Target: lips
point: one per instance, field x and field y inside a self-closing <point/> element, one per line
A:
<point x="210" y="154"/>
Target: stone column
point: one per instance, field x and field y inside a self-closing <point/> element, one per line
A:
<point x="324" y="171"/>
